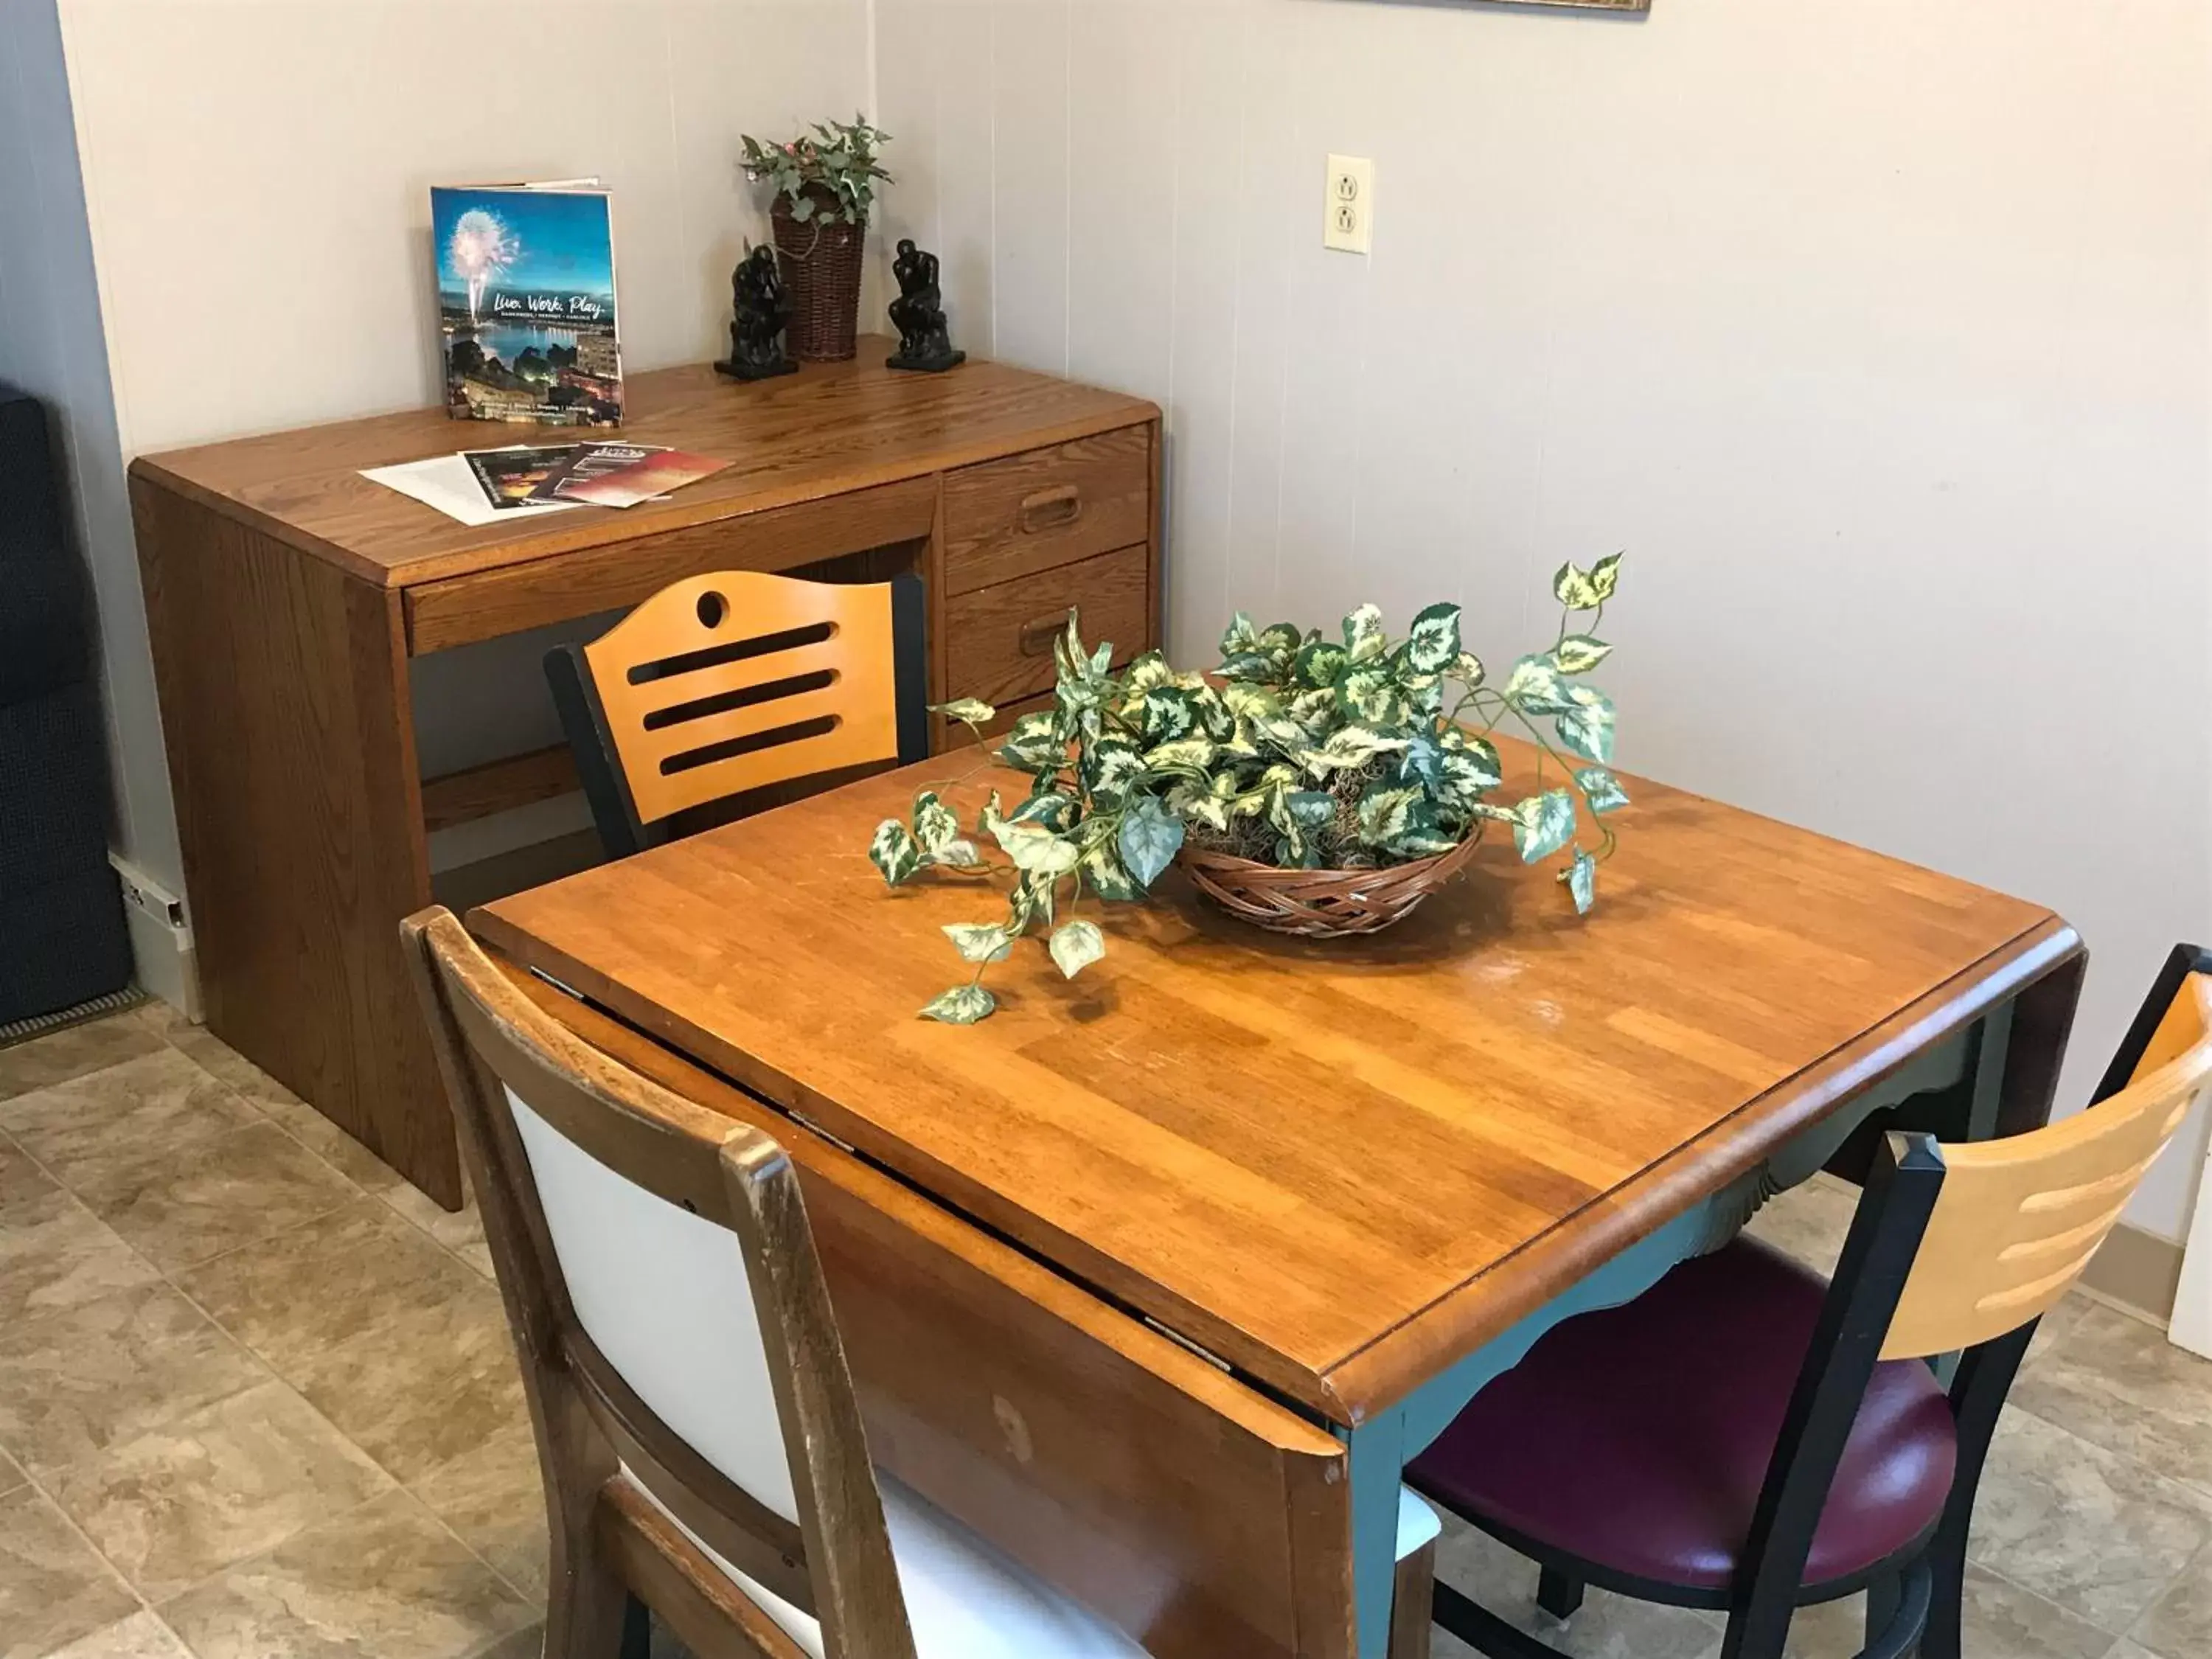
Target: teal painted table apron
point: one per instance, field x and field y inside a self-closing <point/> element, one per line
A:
<point x="1959" y="1087"/>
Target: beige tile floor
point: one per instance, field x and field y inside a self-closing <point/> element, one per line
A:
<point x="257" y="1402"/>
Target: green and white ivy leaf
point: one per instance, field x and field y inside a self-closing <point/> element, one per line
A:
<point x="1035" y="850"/>
<point x="1193" y="751"/>
<point x="1349" y="745"/>
<point x="935" y="823"/>
<point x="1279" y="640"/>
<point x="1239" y="635"/>
<point x="1250" y="666"/>
<point x="1586" y="725"/>
<point x="1101" y="659"/>
<point x="1251" y="702"/>
<point x="1309" y="809"/>
<point x="1150" y="836"/>
<point x="1371" y="695"/>
<point x="1484" y="754"/>
<point x="1466" y="668"/>
<point x="1537" y="687"/>
<point x="1363" y="638"/>
<point x="1207" y="810"/>
<point x="1101" y="870"/>
<point x="956" y="855"/>
<point x="980" y="941"/>
<point x="1574" y="589"/>
<point x="1604" y="576"/>
<point x="802" y="208"/>
<point x="1148" y="670"/>
<point x="1543" y="824"/>
<point x="1580" y="879"/>
<point x="1319" y="663"/>
<point x="1433" y="644"/>
<point x="1467" y="779"/>
<point x="963" y="1005"/>
<point x="1075" y="946"/>
<point x="1385" y="814"/>
<point x="1423" y="763"/>
<point x="969" y="711"/>
<point x="893" y="852"/>
<point x="1423" y="836"/>
<point x="1601" y="789"/>
<point x="1578" y="654"/>
<point x="1108" y="764"/>
<point x="1050" y="808"/>
<point x="1033" y="745"/>
<point x="1165" y="714"/>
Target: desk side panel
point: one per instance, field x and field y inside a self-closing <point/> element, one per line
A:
<point x="284" y="706"/>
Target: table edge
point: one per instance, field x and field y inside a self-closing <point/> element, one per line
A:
<point x="1455" y="1324"/>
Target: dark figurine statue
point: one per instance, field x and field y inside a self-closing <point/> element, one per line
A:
<point x="759" y="309"/>
<point x="918" y="313"/>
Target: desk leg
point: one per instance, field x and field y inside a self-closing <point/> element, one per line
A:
<point x="284" y="703"/>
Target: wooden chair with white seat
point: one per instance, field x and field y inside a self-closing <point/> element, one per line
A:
<point x="1748" y="1437"/>
<point x="723" y="686"/>
<point x="701" y="1447"/>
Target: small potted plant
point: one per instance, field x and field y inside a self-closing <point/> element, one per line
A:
<point x="825" y="182"/>
<point x="1309" y="785"/>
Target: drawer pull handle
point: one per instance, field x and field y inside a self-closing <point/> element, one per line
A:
<point x="1048" y="509"/>
<point x="1038" y="634"/>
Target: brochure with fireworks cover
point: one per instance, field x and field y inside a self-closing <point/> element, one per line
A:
<point x="526" y="302"/>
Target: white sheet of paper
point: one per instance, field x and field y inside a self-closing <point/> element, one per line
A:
<point x="446" y="483"/>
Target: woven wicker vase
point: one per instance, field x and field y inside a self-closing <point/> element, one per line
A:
<point x="820" y="267"/>
<point x="1321" y="903"/>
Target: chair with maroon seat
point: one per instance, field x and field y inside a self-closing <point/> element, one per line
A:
<point x="1748" y="1438"/>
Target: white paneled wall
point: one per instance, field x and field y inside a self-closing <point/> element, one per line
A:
<point x="256" y="176"/>
<point x="1879" y="334"/>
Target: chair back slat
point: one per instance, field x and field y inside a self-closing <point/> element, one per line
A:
<point x="2020" y="1218"/>
<point x="657" y="1264"/>
<point x="667" y="675"/>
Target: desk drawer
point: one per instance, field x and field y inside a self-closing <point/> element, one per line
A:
<point x="997" y="641"/>
<point x="1032" y="513"/>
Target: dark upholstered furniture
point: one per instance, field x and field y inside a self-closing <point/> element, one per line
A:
<point x="61" y="936"/>
<point x="1748" y="1437"/>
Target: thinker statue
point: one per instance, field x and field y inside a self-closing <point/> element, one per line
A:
<point x="759" y="309"/>
<point x="918" y="313"/>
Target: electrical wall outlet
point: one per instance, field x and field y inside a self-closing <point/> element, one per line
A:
<point x="1349" y="227"/>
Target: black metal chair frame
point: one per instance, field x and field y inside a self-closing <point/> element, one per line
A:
<point x="1915" y="1594"/>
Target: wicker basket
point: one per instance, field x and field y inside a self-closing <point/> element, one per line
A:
<point x="820" y="266"/>
<point x="1321" y="903"/>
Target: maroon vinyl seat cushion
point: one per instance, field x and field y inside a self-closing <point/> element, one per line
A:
<point x="1638" y="1437"/>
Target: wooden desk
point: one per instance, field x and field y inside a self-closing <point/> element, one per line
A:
<point x="286" y="593"/>
<point x="1363" y="1175"/>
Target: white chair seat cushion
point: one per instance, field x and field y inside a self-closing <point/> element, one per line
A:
<point x="1418" y="1524"/>
<point x="964" y="1600"/>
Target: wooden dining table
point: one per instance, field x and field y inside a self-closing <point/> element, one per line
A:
<point x="1269" y="1210"/>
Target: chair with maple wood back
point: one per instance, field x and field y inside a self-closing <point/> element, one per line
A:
<point x="1747" y="1436"/>
<point x="725" y="684"/>
<point x="701" y="1447"/>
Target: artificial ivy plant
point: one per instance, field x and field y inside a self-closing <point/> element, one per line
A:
<point x="1298" y="750"/>
<point x="828" y="173"/>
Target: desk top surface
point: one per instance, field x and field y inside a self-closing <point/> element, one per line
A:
<point x="1340" y="1166"/>
<point x="829" y="429"/>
